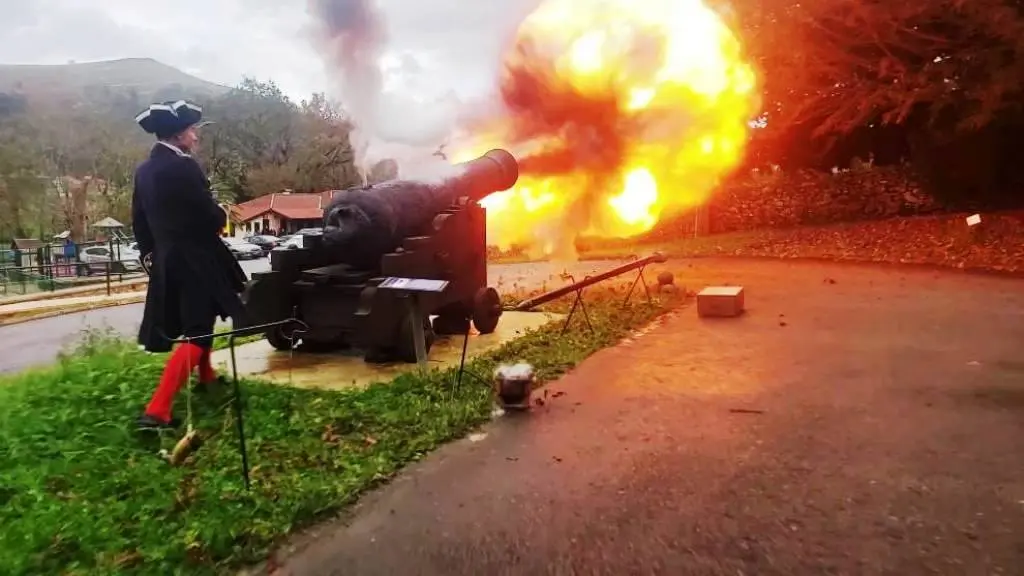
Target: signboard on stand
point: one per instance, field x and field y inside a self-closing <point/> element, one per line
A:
<point x="411" y="289"/>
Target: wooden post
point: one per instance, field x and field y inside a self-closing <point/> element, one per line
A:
<point x="701" y="221"/>
<point x="419" y="338"/>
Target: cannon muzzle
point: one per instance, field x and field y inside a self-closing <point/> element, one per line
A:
<point x="362" y="224"/>
<point x="493" y="172"/>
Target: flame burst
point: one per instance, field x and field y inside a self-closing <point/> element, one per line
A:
<point x="620" y="112"/>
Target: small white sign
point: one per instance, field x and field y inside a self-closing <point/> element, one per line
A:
<point x="974" y="220"/>
<point x="414" y="284"/>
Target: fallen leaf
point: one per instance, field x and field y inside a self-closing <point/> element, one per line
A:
<point x="329" y="435"/>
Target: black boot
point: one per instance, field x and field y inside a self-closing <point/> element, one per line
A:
<point x="152" y="423"/>
<point x="217" y="384"/>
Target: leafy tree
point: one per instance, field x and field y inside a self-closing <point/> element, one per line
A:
<point x="326" y="156"/>
<point x="21" y="183"/>
<point x="262" y="142"/>
<point x="938" y="76"/>
<point x="62" y="162"/>
<point x="382" y="171"/>
<point x="842" y="64"/>
<point x="59" y="167"/>
<point x="254" y="126"/>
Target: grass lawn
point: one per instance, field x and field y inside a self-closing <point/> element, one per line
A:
<point x="80" y="493"/>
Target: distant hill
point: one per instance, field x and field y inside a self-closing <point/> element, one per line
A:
<point x="131" y="80"/>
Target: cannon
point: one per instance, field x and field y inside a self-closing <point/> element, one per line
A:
<point x="398" y="228"/>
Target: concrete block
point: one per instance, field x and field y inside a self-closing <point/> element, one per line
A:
<point x="720" y="301"/>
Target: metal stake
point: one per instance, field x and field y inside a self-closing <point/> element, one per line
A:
<point x="301" y="327"/>
<point x="240" y="426"/>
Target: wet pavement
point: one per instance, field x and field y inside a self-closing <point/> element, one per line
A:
<point x="38" y="342"/>
<point x="856" y="420"/>
<point x="347" y="369"/>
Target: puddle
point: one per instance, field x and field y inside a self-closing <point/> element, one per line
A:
<point x="346" y="369"/>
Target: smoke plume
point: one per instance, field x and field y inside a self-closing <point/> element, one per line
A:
<point x="388" y="124"/>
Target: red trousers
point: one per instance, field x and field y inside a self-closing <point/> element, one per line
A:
<point x="184" y="359"/>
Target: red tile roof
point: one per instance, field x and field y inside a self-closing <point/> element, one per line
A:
<point x="293" y="206"/>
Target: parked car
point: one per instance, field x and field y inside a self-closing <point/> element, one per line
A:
<point x="295" y="241"/>
<point x="267" y="243"/>
<point x="243" y="250"/>
<point x="125" y="259"/>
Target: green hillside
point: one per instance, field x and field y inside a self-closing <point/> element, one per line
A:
<point x="131" y="79"/>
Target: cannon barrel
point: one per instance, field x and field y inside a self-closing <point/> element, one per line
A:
<point x="363" y="224"/>
<point x="495" y="171"/>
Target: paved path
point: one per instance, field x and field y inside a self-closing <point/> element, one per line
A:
<point x="40" y="341"/>
<point x="887" y="440"/>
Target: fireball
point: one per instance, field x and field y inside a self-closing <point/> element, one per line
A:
<point x="621" y="112"/>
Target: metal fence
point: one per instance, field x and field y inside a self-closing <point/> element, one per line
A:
<point x="51" y="268"/>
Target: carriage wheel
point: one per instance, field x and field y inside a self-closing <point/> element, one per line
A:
<point x="279" y="339"/>
<point x="486" y="310"/>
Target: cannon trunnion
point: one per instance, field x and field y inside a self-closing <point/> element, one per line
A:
<point x="328" y="285"/>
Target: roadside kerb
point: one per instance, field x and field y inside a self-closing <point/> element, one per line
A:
<point x="26" y="311"/>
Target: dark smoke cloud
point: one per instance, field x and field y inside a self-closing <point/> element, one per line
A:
<point x="352" y="32"/>
<point x="354" y="35"/>
<point x="349" y="17"/>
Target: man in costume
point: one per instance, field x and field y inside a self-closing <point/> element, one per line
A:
<point x="193" y="278"/>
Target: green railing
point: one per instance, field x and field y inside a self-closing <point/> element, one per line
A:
<point x="47" y="269"/>
<point x="20" y="280"/>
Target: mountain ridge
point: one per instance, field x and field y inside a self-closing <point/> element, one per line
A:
<point x="143" y="78"/>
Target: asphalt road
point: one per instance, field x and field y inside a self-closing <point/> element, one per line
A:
<point x="40" y="341"/>
<point x="857" y="420"/>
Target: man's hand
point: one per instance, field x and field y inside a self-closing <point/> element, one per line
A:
<point x="147" y="263"/>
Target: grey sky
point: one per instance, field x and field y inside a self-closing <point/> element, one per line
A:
<point x="437" y="44"/>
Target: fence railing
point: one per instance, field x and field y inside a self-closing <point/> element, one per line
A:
<point x="22" y="280"/>
<point x="49" y="268"/>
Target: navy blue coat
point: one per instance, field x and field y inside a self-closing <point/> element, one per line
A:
<point x="193" y="276"/>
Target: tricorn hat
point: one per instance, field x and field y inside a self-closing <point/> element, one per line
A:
<point x="167" y="119"/>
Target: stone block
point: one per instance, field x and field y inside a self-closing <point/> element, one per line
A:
<point x="720" y="302"/>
